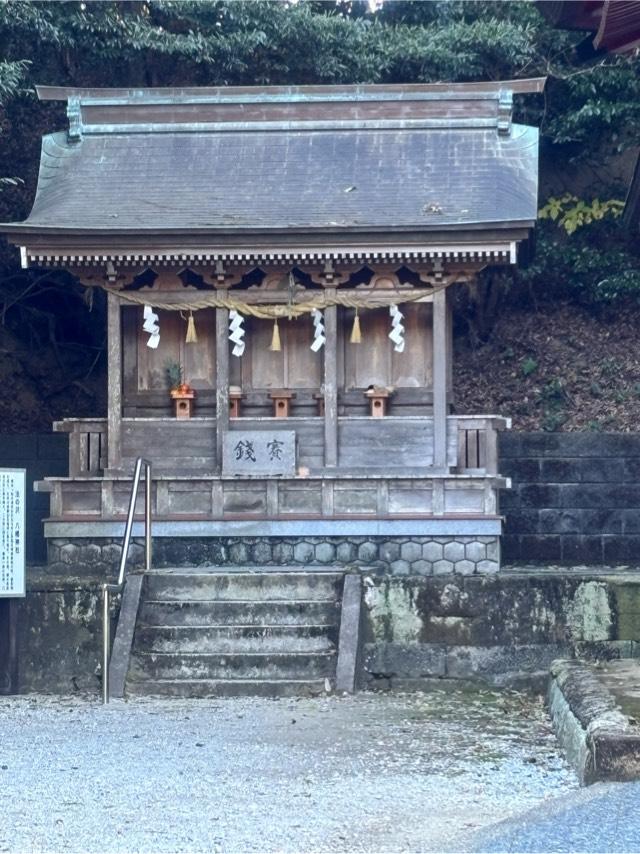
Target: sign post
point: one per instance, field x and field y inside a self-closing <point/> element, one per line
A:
<point x="12" y="572"/>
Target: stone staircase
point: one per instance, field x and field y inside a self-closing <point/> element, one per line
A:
<point x="207" y="632"/>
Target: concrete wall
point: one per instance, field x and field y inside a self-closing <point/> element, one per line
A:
<point x="575" y="498"/>
<point x="501" y="630"/>
<point x="504" y="630"/>
<point x="41" y="454"/>
<point x="59" y="635"/>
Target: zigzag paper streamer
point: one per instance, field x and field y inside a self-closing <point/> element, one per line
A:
<point x="236" y="332"/>
<point x="397" y="329"/>
<point x="152" y="326"/>
<point x="319" y="337"/>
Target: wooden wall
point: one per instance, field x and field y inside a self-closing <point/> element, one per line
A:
<point x="295" y="366"/>
<point x="375" y="445"/>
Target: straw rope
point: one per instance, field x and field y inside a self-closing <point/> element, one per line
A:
<point x="362" y="300"/>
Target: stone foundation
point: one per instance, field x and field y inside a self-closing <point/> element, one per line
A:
<point x="501" y="630"/>
<point x="398" y="556"/>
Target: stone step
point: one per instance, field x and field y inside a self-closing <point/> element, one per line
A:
<point x="222" y="639"/>
<point x="272" y="584"/>
<point x="261" y="666"/>
<point x="186" y="612"/>
<point x="204" y="688"/>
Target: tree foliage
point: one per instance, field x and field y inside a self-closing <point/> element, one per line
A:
<point x="590" y="111"/>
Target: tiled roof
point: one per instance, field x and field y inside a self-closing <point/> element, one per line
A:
<point x="283" y="180"/>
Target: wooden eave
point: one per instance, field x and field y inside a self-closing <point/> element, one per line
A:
<point x="496" y="244"/>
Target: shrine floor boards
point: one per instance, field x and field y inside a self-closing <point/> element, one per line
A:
<point x="363" y="773"/>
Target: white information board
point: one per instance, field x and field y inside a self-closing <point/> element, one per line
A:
<point x="12" y="532"/>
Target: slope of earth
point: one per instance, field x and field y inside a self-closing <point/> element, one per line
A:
<point x="557" y="368"/>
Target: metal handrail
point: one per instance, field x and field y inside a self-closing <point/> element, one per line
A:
<point x="108" y="588"/>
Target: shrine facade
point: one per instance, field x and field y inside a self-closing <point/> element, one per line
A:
<point x="279" y="265"/>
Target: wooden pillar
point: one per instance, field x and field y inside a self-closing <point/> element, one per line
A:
<point x="440" y="379"/>
<point x="114" y="379"/>
<point x="331" y="384"/>
<point x="222" y="380"/>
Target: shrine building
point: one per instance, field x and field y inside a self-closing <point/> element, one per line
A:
<point x="279" y="265"/>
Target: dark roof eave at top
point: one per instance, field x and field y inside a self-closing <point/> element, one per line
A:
<point x="27" y="228"/>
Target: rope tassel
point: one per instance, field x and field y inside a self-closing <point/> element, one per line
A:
<point x="356" y="335"/>
<point x="192" y="335"/>
<point x="275" y="338"/>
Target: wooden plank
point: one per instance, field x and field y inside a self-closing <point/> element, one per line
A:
<point x="162" y="498"/>
<point x="331" y="387"/>
<point x="106" y="498"/>
<point x="383" y="498"/>
<point x="438" y="498"/>
<point x="241" y="499"/>
<point x="193" y="501"/>
<point x="222" y="381"/>
<point x="217" y="499"/>
<point x="490" y="499"/>
<point x="131" y="323"/>
<point x="385" y="442"/>
<point x="348" y="500"/>
<point x="472" y="449"/>
<point x="412" y="369"/>
<point x="461" y="435"/>
<point x="78" y="501"/>
<point x="199" y="358"/>
<point x="490" y="451"/>
<point x="272" y="498"/>
<point x="56" y="508"/>
<point x="152" y="364"/>
<point x="297" y="499"/>
<point x="78" y="442"/>
<point x="482" y="448"/>
<point x="114" y="381"/>
<point x="440" y="380"/>
<point x="418" y="499"/>
<point x="327" y="498"/>
<point x="94" y="453"/>
<point x="465" y="499"/>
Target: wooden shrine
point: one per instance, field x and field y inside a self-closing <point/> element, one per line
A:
<point x="292" y="251"/>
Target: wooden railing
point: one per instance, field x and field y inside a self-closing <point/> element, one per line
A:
<point x="472" y="444"/>
<point x="87" y="445"/>
<point x="478" y="443"/>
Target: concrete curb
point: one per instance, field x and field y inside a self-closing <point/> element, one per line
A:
<point x="600" y="741"/>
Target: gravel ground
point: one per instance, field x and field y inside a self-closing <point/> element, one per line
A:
<point x="366" y="773"/>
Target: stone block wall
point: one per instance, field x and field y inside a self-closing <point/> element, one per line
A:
<point x="424" y="556"/>
<point x="575" y="498"/>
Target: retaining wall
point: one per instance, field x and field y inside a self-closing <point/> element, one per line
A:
<point x="500" y="630"/>
<point x="575" y="498"/>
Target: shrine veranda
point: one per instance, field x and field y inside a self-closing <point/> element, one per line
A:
<point x="291" y="252"/>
